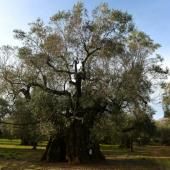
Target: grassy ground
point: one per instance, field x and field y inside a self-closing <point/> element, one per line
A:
<point x="13" y="156"/>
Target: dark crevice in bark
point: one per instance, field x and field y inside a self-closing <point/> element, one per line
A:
<point x="55" y="150"/>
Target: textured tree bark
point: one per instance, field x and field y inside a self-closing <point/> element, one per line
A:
<point x="77" y="143"/>
<point x="74" y="148"/>
<point x="55" y="150"/>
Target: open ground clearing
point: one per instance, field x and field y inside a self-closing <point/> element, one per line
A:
<point x="13" y="156"/>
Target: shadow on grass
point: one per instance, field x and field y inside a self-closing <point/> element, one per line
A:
<point x="134" y="164"/>
<point x="127" y="164"/>
<point x="20" y="154"/>
<point x="24" y="158"/>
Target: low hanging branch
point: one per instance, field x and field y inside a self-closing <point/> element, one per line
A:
<point x="60" y="93"/>
<point x="129" y="129"/>
<point x="20" y="124"/>
<point x="57" y="70"/>
<point x="89" y="53"/>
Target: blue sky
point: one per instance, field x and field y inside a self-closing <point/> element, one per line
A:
<point x="149" y="16"/>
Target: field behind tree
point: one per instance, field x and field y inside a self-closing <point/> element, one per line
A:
<point x="13" y="156"/>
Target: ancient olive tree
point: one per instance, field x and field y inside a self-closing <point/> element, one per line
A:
<point x="89" y="65"/>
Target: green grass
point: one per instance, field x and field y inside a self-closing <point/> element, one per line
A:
<point x="147" y="157"/>
<point x="16" y="157"/>
<point x="11" y="149"/>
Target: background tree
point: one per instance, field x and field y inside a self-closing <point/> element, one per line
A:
<point x="166" y="100"/>
<point x="163" y="132"/>
<point x="139" y="130"/>
<point x="5" y="111"/>
<point x="28" y="130"/>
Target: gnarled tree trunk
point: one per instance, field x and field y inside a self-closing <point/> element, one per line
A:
<point x="55" y="149"/>
<point x="73" y="146"/>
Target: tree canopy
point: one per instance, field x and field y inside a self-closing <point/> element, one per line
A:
<point x="77" y="68"/>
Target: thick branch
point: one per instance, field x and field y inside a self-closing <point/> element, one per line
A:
<point x="89" y="53"/>
<point x="60" y="93"/>
<point x="129" y="129"/>
<point x="20" y="124"/>
<point x="57" y="70"/>
<point x="26" y="92"/>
